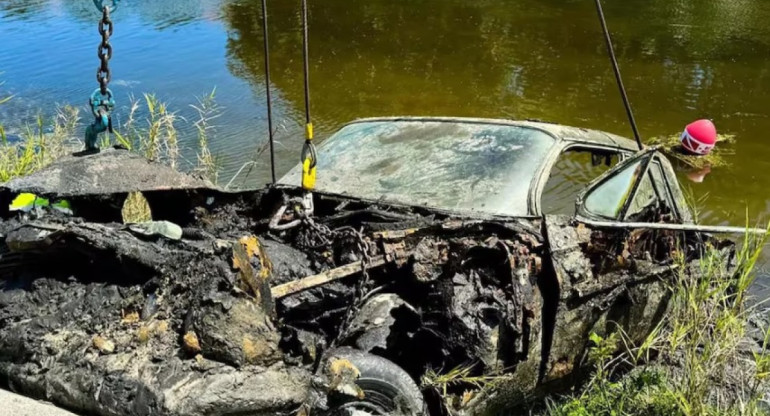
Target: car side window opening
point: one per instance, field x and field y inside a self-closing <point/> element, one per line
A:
<point x="607" y="200"/>
<point x="572" y="172"/>
<point x="651" y="200"/>
<point x="645" y="196"/>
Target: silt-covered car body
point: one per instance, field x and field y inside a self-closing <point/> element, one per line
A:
<point x="432" y="243"/>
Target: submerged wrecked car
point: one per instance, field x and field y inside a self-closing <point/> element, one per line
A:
<point x="429" y="244"/>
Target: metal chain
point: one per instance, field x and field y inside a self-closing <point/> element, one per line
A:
<point x="101" y="101"/>
<point x="359" y="295"/>
<point x="103" y="74"/>
<point x="319" y="235"/>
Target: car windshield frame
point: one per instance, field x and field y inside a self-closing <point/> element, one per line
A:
<point x="458" y="165"/>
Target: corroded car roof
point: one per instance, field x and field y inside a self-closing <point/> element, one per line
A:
<point x="560" y="131"/>
<point x="579" y="134"/>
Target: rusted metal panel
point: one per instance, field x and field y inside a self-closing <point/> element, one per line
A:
<point x="606" y="284"/>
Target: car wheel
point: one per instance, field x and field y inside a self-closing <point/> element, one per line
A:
<point x="387" y="388"/>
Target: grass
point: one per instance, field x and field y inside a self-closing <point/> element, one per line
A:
<point x="136" y="209"/>
<point x="459" y="385"/>
<point x="7" y="98"/>
<point x="208" y="110"/>
<point x="691" y="364"/>
<point x="37" y="148"/>
<point x="157" y="138"/>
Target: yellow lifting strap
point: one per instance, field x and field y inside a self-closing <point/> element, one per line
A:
<point x="308" y="160"/>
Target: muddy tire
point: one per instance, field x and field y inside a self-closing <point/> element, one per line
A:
<point x="388" y="389"/>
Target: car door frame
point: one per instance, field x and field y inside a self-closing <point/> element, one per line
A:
<point x="539" y="183"/>
<point x="669" y="181"/>
<point x="581" y="296"/>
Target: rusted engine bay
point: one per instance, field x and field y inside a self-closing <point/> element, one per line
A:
<point x="103" y="320"/>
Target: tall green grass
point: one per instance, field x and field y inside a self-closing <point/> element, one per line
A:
<point x="156" y="137"/>
<point x="208" y="111"/>
<point x="38" y="148"/>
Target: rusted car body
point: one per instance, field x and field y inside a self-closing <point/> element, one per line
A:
<point x="569" y="275"/>
<point x="427" y="243"/>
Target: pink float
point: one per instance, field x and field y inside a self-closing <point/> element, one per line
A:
<point x="699" y="137"/>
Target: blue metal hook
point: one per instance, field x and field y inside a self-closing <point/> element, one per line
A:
<point x="100" y="5"/>
<point x="99" y="101"/>
<point x="101" y="106"/>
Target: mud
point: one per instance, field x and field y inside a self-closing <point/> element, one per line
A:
<point x="193" y="329"/>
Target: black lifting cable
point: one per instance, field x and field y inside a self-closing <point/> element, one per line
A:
<point x="267" y="89"/>
<point x="308" y="156"/>
<point x="305" y="61"/>
<point x="615" y="68"/>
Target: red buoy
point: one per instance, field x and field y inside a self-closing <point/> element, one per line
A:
<point x="699" y="137"/>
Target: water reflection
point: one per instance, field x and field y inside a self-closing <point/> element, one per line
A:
<point x="542" y="59"/>
<point x="163" y="14"/>
<point x="22" y="9"/>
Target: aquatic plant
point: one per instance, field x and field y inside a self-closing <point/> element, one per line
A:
<point x="154" y="135"/>
<point x="208" y="111"/>
<point x="671" y="146"/>
<point x="3" y="100"/>
<point x="157" y="140"/>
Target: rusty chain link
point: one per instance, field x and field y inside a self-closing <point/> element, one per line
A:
<point x="359" y="295"/>
<point x="103" y="74"/>
<point x="315" y="235"/>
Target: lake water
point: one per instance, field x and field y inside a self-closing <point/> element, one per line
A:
<point x="540" y="59"/>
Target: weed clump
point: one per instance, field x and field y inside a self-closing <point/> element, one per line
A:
<point x="459" y="385"/>
<point x="158" y="139"/>
<point x="36" y="147"/>
<point x="136" y="209"/>
<point x="671" y="146"/>
<point x="208" y="110"/>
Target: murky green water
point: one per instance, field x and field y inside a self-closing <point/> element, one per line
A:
<point x="541" y="59"/>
